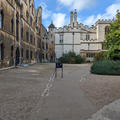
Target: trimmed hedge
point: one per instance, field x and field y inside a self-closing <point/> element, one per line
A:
<point x="106" y="67"/>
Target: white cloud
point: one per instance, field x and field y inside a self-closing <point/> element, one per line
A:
<point x="45" y="12"/>
<point x="109" y="14"/>
<point x="59" y="19"/>
<point x="91" y="20"/>
<point x="78" y="4"/>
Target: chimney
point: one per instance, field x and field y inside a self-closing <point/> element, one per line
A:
<point x="71" y="18"/>
<point x="75" y="18"/>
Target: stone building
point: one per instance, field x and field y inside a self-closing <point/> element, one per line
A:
<point x="81" y="39"/>
<point x="51" y="42"/>
<point x="20" y="32"/>
<point x="48" y="46"/>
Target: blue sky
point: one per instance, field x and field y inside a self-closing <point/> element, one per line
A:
<point x="89" y="11"/>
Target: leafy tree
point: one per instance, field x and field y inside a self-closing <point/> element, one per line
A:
<point x="112" y="42"/>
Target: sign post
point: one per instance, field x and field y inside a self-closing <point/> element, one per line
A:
<point x="59" y="65"/>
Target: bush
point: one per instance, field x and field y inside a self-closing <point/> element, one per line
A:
<point x="100" y="56"/>
<point x="106" y="67"/>
<point x="70" y="58"/>
<point x="78" y="59"/>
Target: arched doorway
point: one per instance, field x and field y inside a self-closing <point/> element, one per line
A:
<point x="17" y="56"/>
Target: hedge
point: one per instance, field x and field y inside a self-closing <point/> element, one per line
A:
<point x="106" y="67"/>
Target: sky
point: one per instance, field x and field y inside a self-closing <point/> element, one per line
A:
<point x="89" y="11"/>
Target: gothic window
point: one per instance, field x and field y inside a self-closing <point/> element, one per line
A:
<point x="27" y="54"/>
<point x="31" y="21"/>
<point x="21" y="11"/>
<point x="17" y="27"/>
<point x="61" y="38"/>
<point x="107" y="28"/>
<point x="31" y="54"/>
<point x="43" y="45"/>
<point x="46" y="46"/>
<point x="32" y="8"/>
<point x="1" y="18"/>
<point x="43" y="56"/>
<point x="27" y="16"/>
<point x="103" y="46"/>
<point x="87" y="37"/>
<point x="34" y="41"/>
<point x="21" y="32"/>
<point x="1" y="51"/>
<point x="12" y="25"/>
<point x="12" y="51"/>
<point x="31" y="38"/>
<point x="22" y="51"/>
<point x="27" y="36"/>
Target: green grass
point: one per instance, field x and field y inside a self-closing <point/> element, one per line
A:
<point x="106" y="67"/>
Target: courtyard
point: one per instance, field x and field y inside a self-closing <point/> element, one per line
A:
<point x="33" y="92"/>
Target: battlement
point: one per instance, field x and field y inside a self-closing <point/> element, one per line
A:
<point x="105" y="21"/>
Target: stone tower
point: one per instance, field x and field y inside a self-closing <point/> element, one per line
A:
<point x="71" y="18"/>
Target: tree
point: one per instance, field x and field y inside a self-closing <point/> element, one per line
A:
<point x="112" y="41"/>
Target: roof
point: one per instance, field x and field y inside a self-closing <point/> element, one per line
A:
<point x="51" y="25"/>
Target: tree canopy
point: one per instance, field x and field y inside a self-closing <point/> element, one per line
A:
<point x="112" y="41"/>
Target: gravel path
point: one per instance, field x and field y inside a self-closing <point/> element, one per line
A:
<point x="100" y="89"/>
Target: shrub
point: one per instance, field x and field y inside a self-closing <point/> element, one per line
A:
<point x="106" y="67"/>
<point x="78" y="59"/>
<point x="100" y="56"/>
<point x="70" y="58"/>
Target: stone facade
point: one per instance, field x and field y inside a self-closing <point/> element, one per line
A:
<point x="20" y="32"/>
<point x="79" y="38"/>
<point x="51" y="42"/>
<point x="48" y="45"/>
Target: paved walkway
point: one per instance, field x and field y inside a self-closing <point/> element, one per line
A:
<point x="66" y="100"/>
<point x="32" y="93"/>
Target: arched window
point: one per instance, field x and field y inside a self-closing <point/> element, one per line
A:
<point x="107" y="28"/>
<point x="1" y="18"/>
<point x="21" y="32"/>
<point x="17" y="26"/>
<point x="12" y="25"/>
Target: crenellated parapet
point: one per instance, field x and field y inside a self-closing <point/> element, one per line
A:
<point x="105" y="21"/>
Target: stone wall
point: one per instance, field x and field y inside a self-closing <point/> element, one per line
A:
<point x="15" y="48"/>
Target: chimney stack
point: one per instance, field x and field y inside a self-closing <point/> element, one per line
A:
<point x="71" y="18"/>
<point x="75" y="18"/>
